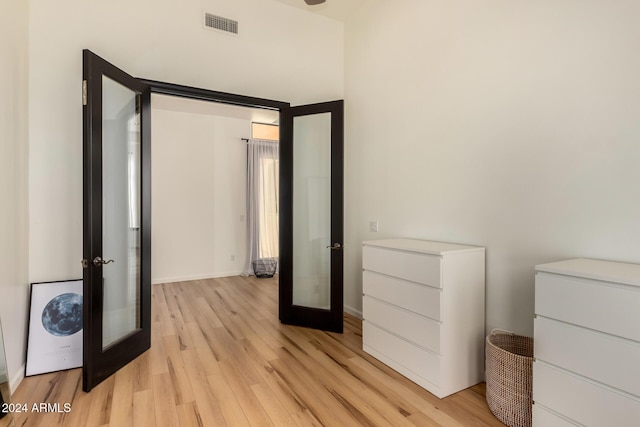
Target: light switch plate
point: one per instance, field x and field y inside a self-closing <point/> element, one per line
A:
<point x="373" y="226"/>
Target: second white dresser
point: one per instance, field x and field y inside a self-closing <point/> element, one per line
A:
<point x="423" y="310"/>
<point x="587" y="344"/>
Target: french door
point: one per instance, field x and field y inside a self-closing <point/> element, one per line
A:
<point x="311" y="216"/>
<point x="117" y="213"/>
<point x="116" y="219"/>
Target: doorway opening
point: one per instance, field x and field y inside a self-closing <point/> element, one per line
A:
<point x="214" y="189"/>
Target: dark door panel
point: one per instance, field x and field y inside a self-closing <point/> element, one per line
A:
<point x="116" y="219"/>
<point x="311" y="216"/>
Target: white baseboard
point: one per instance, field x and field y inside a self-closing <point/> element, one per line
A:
<point x="156" y="281"/>
<point x="17" y="378"/>
<point x="352" y="311"/>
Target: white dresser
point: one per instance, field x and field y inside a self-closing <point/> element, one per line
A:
<point x="423" y="310"/>
<point x="586" y="370"/>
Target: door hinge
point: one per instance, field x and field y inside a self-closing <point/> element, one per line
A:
<point x="84" y="92"/>
<point x="85" y="263"/>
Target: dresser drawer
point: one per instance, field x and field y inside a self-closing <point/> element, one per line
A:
<point x="602" y="306"/>
<point x="604" y="358"/>
<point x="401" y="355"/>
<point x="412" y="266"/>
<point x="545" y="418"/>
<point x="581" y="400"/>
<point x="410" y="326"/>
<point x="420" y="299"/>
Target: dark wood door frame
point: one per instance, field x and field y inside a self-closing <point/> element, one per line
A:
<point x="288" y="313"/>
<point x="190" y="92"/>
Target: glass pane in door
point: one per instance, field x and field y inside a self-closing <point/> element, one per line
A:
<point x="312" y="211"/>
<point x="121" y="211"/>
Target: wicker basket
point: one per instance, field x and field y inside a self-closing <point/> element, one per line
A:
<point x="509" y="371"/>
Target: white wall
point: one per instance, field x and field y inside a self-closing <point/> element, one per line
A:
<point x="198" y="195"/>
<point x="14" y="289"/>
<point x="281" y="53"/>
<point x="512" y="125"/>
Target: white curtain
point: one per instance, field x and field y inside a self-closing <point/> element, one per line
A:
<point x="262" y="200"/>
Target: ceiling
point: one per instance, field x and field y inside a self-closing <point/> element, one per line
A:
<point x="336" y="9"/>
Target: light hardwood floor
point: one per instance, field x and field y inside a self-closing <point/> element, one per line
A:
<point x="220" y="357"/>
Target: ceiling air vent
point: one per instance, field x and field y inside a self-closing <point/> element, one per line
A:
<point x="220" y="23"/>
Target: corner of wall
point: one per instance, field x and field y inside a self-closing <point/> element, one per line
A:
<point x="14" y="162"/>
<point x="16" y="378"/>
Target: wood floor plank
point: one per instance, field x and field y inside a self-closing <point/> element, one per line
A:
<point x="250" y="404"/>
<point x="429" y="406"/>
<point x="227" y="314"/>
<point x="159" y="303"/>
<point x="220" y="357"/>
<point x="175" y="313"/>
<point x="369" y="408"/>
<point x="229" y="405"/>
<point x="275" y="410"/>
<point x="80" y="405"/>
<point x="293" y="403"/>
<point x="100" y="410"/>
<point x="421" y="420"/>
<point x="179" y="379"/>
<point x="324" y="406"/>
<point x="59" y="388"/>
<point x="251" y="299"/>
<point x="164" y="401"/>
<point x="157" y="355"/>
<point x="207" y="403"/>
<point x="184" y="303"/>
<point x="142" y="372"/>
<point x="342" y="379"/>
<point x="201" y="346"/>
<point x="143" y="402"/>
<point x="204" y="313"/>
<point x="122" y="403"/>
<point x="188" y="415"/>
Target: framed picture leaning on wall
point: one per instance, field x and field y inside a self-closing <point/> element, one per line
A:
<point x="55" y="327"/>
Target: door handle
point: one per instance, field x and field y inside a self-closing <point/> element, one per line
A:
<point x="335" y="247"/>
<point x="97" y="261"/>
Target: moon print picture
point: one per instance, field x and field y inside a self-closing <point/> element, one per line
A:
<point x="55" y="327"/>
<point x="62" y="316"/>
